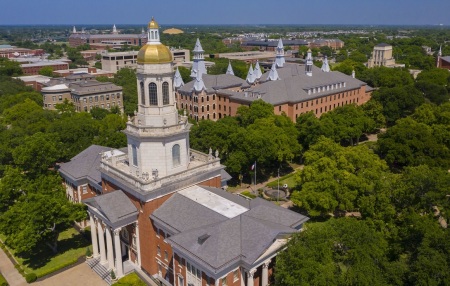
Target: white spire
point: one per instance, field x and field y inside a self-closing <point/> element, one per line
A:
<point x="273" y="74"/>
<point x="309" y="64"/>
<point x="250" y="75"/>
<point x="279" y="59"/>
<point x="325" y="65"/>
<point x="199" y="85"/>
<point x="198" y="66"/>
<point x="353" y="73"/>
<point x="230" y="69"/>
<point x="439" y="55"/>
<point x="257" y="70"/>
<point x="114" y="31"/>
<point x="177" y="79"/>
<point x="143" y="31"/>
<point x="74" y="30"/>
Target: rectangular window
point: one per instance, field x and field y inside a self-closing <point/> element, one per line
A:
<point x="224" y="281"/>
<point x="84" y="189"/>
<point x="158" y="249"/>
<point x="235" y="275"/>
<point x="166" y="255"/>
<point x="134" y="152"/>
<point x="60" y="98"/>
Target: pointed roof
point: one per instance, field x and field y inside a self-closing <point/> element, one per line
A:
<point x="230" y="69"/>
<point x="177" y="79"/>
<point x="114" y="31"/>
<point x="280" y="44"/>
<point x="257" y="70"/>
<point x="74" y="30"/>
<point x="199" y="85"/>
<point x="250" y="75"/>
<point x="273" y="74"/>
<point x="325" y="65"/>
<point x="198" y="46"/>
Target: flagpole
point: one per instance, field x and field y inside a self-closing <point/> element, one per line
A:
<point x="255" y="176"/>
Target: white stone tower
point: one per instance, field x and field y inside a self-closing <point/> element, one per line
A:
<point x="158" y="138"/>
<point x="279" y="58"/>
<point x="198" y="66"/>
<point x="309" y="64"/>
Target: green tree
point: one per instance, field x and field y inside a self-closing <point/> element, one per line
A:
<point x="257" y="110"/>
<point x="9" y="68"/>
<point x="46" y="71"/>
<point x="37" y="153"/>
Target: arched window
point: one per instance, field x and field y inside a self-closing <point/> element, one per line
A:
<point x="165" y="89"/>
<point x="153" y="93"/>
<point x="142" y="93"/>
<point x="176" y="155"/>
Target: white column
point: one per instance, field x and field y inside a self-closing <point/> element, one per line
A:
<point x="265" y="273"/>
<point x="93" y="235"/>
<point x="250" y="274"/>
<point x="109" y="248"/>
<point x="119" y="266"/>
<point x="138" y="245"/>
<point x="101" y="238"/>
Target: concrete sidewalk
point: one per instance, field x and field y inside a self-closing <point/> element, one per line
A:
<point x="9" y="272"/>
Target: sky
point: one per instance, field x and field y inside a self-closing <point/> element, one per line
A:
<point x="225" y="12"/>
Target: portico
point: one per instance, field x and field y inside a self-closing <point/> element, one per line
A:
<point x="112" y="218"/>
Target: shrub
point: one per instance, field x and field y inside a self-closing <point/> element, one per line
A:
<point x="88" y="252"/>
<point x="113" y="275"/>
<point x="3" y="281"/>
<point x="31" y="277"/>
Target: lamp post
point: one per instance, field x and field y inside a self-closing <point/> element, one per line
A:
<point x="278" y="194"/>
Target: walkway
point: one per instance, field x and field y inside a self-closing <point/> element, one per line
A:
<point x="75" y="276"/>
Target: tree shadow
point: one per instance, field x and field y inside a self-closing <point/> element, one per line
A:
<point x="43" y="254"/>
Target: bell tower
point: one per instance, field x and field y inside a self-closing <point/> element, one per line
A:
<point x="158" y="138"/>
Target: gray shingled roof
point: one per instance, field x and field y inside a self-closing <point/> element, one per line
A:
<point x="215" y="82"/>
<point x="84" y="165"/>
<point x="447" y="58"/>
<point x="242" y="238"/>
<point x="115" y="206"/>
<point x="180" y="214"/>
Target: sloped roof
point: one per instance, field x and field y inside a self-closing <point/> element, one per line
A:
<point x="216" y="240"/>
<point x="215" y="82"/>
<point x="84" y="165"/>
<point x="115" y="206"/>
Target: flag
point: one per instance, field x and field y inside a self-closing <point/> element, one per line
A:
<point x="253" y="166"/>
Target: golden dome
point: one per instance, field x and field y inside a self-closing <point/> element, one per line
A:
<point x="173" y="31"/>
<point x="154" y="54"/>
<point x="153" y="24"/>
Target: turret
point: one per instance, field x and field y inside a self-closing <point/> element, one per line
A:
<point x="177" y="79"/>
<point x="257" y="70"/>
<point x="309" y="64"/>
<point x="273" y="74"/>
<point x="198" y="66"/>
<point x="230" y="69"/>
<point x="114" y="30"/>
<point x="279" y="58"/>
<point x="325" y="65"/>
<point x="250" y="75"/>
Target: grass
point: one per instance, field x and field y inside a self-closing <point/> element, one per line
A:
<point x="71" y="246"/>
<point x="289" y="179"/>
<point x="130" y="280"/>
<point x="3" y="280"/>
<point x="248" y="194"/>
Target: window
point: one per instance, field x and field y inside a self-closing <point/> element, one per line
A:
<point x="96" y="99"/>
<point x="165" y="89"/>
<point x="153" y="93"/>
<point x="54" y="98"/>
<point x="158" y="249"/>
<point x="176" y="155"/>
<point x="134" y="153"/>
<point x="235" y="275"/>
<point x="224" y="281"/>
<point x="166" y="255"/>
<point x="102" y="98"/>
<point x="60" y="97"/>
<point x="90" y="99"/>
<point x="84" y="189"/>
<point x="107" y="97"/>
<point x="141" y="84"/>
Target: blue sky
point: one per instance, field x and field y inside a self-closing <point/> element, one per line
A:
<point x="388" y="12"/>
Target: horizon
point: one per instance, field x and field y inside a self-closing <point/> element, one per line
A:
<point x="233" y="12"/>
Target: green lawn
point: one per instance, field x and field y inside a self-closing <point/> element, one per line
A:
<point x="3" y="281"/>
<point x="71" y="246"/>
<point x="248" y="194"/>
<point x="130" y="280"/>
<point x="289" y="179"/>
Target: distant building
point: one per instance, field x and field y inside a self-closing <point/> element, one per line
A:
<point x="84" y="91"/>
<point x="270" y="45"/>
<point x="173" y="31"/>
<point x="114" y="61"/>
<point x="444" y="62"/>
<point x="33" y="67"/>
<point x="8" y="51"/>
<point x="37" y="82"/>
<point x="90" y="70"/>
<point x="113" y="40"/>
<point x="382" y="56"/>
<point x="291" y="88"/>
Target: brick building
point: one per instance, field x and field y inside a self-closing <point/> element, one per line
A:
<point x="291" y="88"/>
<point x="157" y="207"/>
<point x="112" y="40"/>
<point x="8" y="51"/>
<point x="33" y="68"/>
<point x="83" y="91"/>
